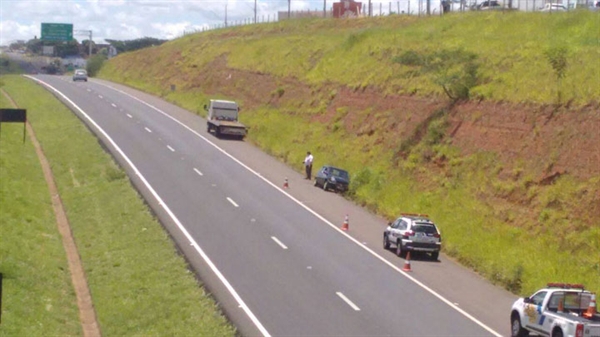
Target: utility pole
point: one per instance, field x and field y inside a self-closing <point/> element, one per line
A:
<point x="324" y="8"/>
<point x="255" y="11"/>
<point x="89" y="32"/>
<point x="225" y="15"/>
<point x="289" y="9"/>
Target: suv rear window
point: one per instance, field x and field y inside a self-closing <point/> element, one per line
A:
<point x="426" y="228"/>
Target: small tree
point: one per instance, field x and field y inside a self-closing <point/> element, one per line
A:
<point x="557" y="57"/>
<point x="94" y="64"/>
<point x="455" y="71"/>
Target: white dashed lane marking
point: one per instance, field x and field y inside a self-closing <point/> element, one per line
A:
<point x="232" y="202"/>
<point x="198" y="171"/>
<point x="170" y="148"/>
<point x="100" y="96"/>
<point x="148" y="130"/>
<point x="352" y="305"/>
<point x="113" y="105"/>
<point x="128" y="115"/>
<point x="279" y="242"/>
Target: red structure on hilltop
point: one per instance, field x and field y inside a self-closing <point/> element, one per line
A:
<point x="346" y="8"/>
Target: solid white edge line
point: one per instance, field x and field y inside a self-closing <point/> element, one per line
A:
<point x="193" y="242"/>
<point x="232" y="202"/>
<point x="148" y="130"/>
<point x="197" y="171"/>
<point x="279" y="242"/>
<point x="170" y="148"/>
<point x="350" y="303"/>
<point x="431" y="291"/>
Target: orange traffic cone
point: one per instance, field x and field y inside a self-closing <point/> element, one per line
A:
<point x="345" y="225"/>
<point x="591" y="311"/>
<point x="285" y="184"/>
<point x="561" y="306"/>
<point x="407" y="262"/>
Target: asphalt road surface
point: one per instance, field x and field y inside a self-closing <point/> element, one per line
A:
<point x="275" y="258"/>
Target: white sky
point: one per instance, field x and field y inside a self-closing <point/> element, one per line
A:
<point x="133" y="19"/>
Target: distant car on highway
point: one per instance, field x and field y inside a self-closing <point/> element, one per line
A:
<point x="488" y="5"/>
<point x="553" y="7"/>
<point x="413" y="232"/>
<point x="329" y="177"/>
<point x="80" y="75"/>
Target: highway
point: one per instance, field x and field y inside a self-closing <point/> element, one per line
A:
<point x="275" y="258"/>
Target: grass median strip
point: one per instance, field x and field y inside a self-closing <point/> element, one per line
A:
<point x="139" y="284"/>
<point x="38" y="297"/>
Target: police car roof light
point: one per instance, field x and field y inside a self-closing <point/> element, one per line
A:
<point x="415" y="214"/>
<point x="566" y="285"/>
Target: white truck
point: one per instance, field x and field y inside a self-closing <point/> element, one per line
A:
<point x="559" y="310"/>
<point x="222" y="119"/>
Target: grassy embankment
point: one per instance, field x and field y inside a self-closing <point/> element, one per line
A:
<point x="557" y="243"/>
<point x="139" y="284"/>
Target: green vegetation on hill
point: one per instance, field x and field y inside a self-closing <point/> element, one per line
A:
<point x="302" y="84"/>
<point x="138" y="282"/>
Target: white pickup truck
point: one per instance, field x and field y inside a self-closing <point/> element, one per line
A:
<point x="222" y="119"/>
<point x="559" y="310"/>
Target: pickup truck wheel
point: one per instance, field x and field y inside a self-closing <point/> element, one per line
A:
<point x="325" y="186"/>
<point x="218" y="132"/>
<point x="557" y="333"/>
<point x="386" y="242"/>
<point x="399" y="251"/>
<point x="435" y="256"/>
<point x="516" y="330"/>
<point x="316" y="183"/>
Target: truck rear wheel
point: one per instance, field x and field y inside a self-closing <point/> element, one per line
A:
<point x="557" y="333"/>
<point x="218" y="132"/>
<point x="516" y="330"/>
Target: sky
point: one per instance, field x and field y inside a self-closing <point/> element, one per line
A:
<point x="133" y="19"/>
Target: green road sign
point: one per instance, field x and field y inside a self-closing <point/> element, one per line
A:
<point x="57" y="31"/>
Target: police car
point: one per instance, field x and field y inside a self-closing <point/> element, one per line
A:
<point x="413" y="232"/>
<point x="559" y="310"/>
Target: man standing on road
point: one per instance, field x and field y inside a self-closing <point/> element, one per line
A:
<point x="308" y="165"/>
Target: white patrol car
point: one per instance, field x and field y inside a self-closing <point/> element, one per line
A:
<point x="413" y="232"/>
<point x="560" y="310"/>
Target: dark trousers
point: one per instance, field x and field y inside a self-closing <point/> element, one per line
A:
<point x="308" y="171"/>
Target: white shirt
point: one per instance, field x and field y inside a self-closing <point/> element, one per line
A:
<point x="308" y="160"/>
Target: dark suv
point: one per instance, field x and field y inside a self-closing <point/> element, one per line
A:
<point x="413" y="232"/>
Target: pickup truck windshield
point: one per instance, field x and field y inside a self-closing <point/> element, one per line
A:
<point x="225" y="114"/>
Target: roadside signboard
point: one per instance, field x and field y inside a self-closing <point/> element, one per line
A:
<point x="14" y="116"/>
<point x="57" y="31"/>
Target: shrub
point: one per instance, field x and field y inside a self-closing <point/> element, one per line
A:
<point x="95" y="63"/>
<point x="455" y="70"/>
<point x="557" y="57"/>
